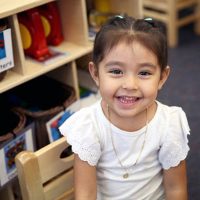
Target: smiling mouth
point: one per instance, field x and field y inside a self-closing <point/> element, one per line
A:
<point x="128" y="99"/>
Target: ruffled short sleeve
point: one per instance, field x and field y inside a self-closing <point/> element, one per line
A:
<point x="174" y="147"/>
<point x="81" y="134"/>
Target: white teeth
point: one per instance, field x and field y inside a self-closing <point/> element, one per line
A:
<point x="130" y="98"/>
<point x="127" y="99"/>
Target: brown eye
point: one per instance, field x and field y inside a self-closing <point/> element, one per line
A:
<point x="144" y="73"/>
<point x="116" y="71"/>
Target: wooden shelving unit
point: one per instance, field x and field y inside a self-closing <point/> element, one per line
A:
<point x="75" y="31"/>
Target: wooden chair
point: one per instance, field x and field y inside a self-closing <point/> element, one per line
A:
<point x="168" y="11"/>
<point x="44" y="175"/>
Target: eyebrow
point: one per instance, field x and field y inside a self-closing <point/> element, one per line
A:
<point x="145" y="64"/>
<point x="111" y="63"/>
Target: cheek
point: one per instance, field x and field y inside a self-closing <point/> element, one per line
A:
<point x="107" y="86"/>
<point x="151" y="89"/>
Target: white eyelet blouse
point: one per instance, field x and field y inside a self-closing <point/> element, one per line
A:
<point x="166" y="145"/>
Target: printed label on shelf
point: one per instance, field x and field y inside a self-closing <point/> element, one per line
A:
<point x="24" y="141"/>
<point x="6" y="50"/>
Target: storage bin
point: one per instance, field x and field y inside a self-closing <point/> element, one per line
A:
<point x="23" y="140"/>
<point x="12" y="123"/>
<point x="41" y="99"/>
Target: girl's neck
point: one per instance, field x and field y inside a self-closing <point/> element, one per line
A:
<point x="132" y="124"/>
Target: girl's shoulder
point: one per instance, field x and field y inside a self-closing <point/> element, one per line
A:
<point x="169" y="110"/>
<point x="174" y="144"/>
<point x="81" y="133"/>
<point x="169" y="118"/>
<point x="172" y="115"/>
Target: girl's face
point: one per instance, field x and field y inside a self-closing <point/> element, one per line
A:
<point x="129" y="78"/>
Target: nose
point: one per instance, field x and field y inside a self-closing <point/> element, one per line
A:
<point x="130" y="82"/>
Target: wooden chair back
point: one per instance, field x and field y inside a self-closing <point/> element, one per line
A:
<point x="45" y="174"/>
<point x="168" y="11"/>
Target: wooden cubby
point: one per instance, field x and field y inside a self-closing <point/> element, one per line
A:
<point x="130" y="7"/>
<point x="75" y="44"/>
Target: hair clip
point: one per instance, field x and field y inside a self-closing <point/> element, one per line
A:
<point x="119" y="16"/>
<point x="150" y="21"/>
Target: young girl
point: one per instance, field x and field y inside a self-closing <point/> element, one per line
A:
<point x="129" y="146"/>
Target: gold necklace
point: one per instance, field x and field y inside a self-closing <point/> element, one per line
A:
<point x="126" y="174"/>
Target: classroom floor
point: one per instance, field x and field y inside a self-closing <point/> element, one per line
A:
<point x="182" y="89"/>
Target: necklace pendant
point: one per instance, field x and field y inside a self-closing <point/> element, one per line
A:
<point x="125" y="176"/>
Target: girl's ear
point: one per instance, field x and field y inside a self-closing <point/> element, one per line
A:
<point x="94" y="72"/>
<point x="164" y="77"/>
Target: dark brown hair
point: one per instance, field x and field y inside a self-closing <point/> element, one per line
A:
<point x="150" y="33"/>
